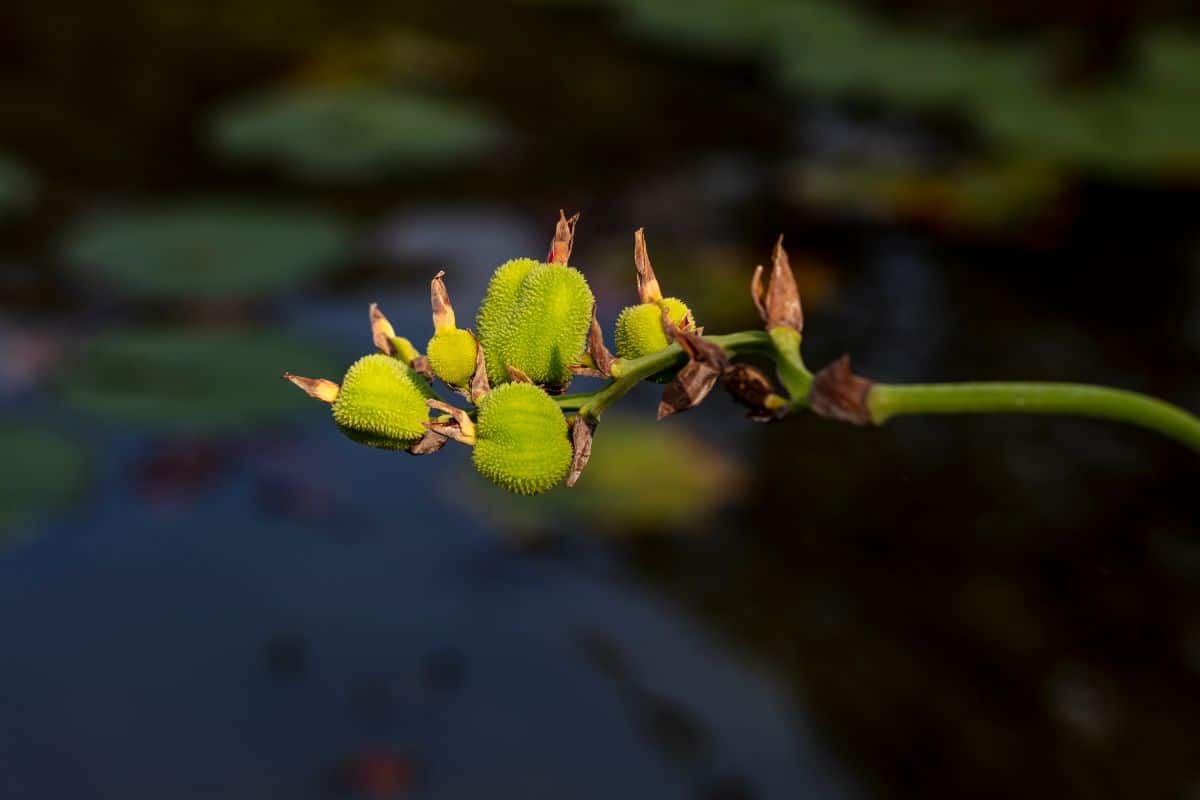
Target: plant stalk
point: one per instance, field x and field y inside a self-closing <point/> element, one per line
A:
<point x="592" y="404"/>
<point x="886" y="401"/>
<point x="1071" y="399"/>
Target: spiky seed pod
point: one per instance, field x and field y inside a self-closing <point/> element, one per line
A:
<point x="521" y="439"/>
<point x="382" y="403"/>
<point x="452" y="356"/>
<point x="492" y="319"/>
<point x="534" y="317"/>
<point x="640" y="328"/>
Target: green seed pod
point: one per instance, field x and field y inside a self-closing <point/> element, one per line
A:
<point x="640" y="328"/>
<point x="381" y="403"/>
<point x="521" y="439"/>
<point x="452" y="356"/>
<point x="534" y="317"/>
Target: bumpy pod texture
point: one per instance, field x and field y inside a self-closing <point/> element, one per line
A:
<point x="521" y="439"/>
<point x="452" y="356"/>
<point x="534" y="317"/>
<point x="382" y="403"/>
<point x="640" y="330"/>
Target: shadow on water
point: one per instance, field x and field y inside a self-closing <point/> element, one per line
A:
<point x="205" y="589"/>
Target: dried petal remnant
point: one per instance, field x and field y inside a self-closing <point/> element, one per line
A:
<point x="602" y="358"/>
<point x="317" y="388"/>
<point x="439" y="300"/>
<point x="779" y="302"/>
<point x="750" y="387"/>
<point x="459" y="427"/>
<point x="564" y="239"/>
<point x="647" y="284"/>
<point x="837" y="393"/>
<point x="581" y="446"/>
<point x="698" y="377"/>
<point x="479" y="381"/>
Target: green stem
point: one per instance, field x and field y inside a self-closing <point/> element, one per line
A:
<point x="886" y="401"/>
<point x="790" y="365"/>
<point x="630" y="373"/>
<point x="1072" y="399"/>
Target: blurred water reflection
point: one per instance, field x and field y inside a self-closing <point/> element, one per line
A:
<point x="204" y="589"/>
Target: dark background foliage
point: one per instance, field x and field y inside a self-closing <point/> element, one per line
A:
<point x="206" y="591"/>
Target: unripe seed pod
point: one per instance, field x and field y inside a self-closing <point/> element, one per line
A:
<point x="492" y="321"/>
<point x="521" y="439"/>
<point x="640" y="328"/>
<point x="534" y="317"/>
<point x="452" y="356"/>
<point x="382" y="403"/>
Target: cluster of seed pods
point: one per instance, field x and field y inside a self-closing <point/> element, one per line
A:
<point x="535" y="330"/>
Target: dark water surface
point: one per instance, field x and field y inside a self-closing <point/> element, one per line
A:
<point x="205" y="590"/>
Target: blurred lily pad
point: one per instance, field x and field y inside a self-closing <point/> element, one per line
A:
<point x="17" y="188"/>
<point x="41" y="472"/>
<point x="1145" y="122"/>
<point x="1135" y="128"/>
<point x="194" y="381"/>
<point x="207" y="249"/>
<point x="970" y="198"/>
<point x="642" y="478"/>
<point x="351" y="133"/>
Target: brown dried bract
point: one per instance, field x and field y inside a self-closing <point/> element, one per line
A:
<point x="688" y="390"/>
<point x="751" y="388"/>
<point x="698" y="377"/>
<point x="779" y="303"/>
<point x="420" y="365"/>
<point x="382" y="331"/>
<point x="517" y="375"/>
<point x="479" y="381"/>
<point x="647" y="284"/>
<point x="759" y="292"/>
<point x="317" y="388"/>
<point x="459" y="427"/>
<point x="431" y="442"/>
<point x="837" y="393"/>
<point x="439" y="300"/>
<point x="564" y="239"/>
<point x="602" y="358"/>
<point x="694" y="344"/>
<point x="581" y="443"/>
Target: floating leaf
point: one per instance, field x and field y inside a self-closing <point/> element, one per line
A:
<point x="204" y="381"/>
<point x="41" y="472"/>
<point x="351" y="134"/>
<point x="206" y="249"/>
<point x="1144" y="123"/>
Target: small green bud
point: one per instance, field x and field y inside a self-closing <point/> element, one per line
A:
<point x="640" y="328"/>
<point x="386" y="340"/>
<point x="452" y="356"/>
<point x="534" y="317"/>
<point x="451" y="350"/>
<point x="521" y="439"/>
<point x="382" y="403"/>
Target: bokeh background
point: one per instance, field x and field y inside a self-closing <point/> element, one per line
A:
<point x="206" y="592"/>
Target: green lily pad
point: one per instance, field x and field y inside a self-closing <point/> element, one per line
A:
<point x="196" y="381"/>
<point x="206" y="249"/>
<point x="643" y="477"/>
<point x="17" y="188"/>
<point x="1116" y="129"/>
<point x="41" y="472"/>
<point x="1145" y="124"/>
<point x="351" y="134"/>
